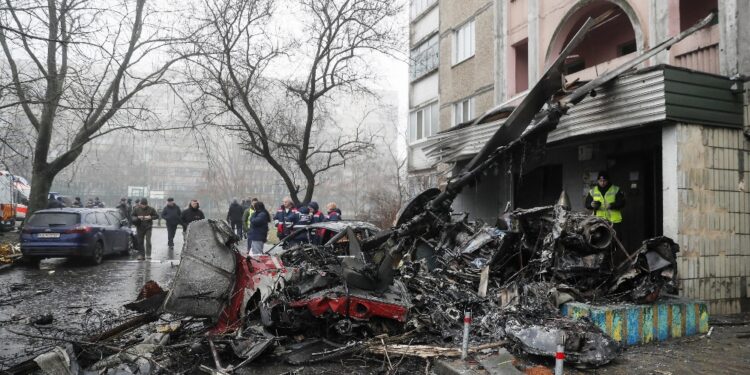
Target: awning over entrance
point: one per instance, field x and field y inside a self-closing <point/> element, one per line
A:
<point x="644" y="98"/>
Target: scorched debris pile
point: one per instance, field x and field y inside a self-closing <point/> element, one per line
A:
<point x="314" y="302"/>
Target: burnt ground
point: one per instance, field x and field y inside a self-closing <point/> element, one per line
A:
<point x="85" y="300"/>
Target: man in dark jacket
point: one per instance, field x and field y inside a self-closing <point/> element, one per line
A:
<point x="234" y="216"/>
<point x="143" y="218"/>
<point x="172" y="214"/>
<point x="191" y="214"/>
<point x="78" y="204"/>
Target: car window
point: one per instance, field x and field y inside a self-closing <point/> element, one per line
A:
<point x="114" y="218"/>
<point x="52" y="219"/>
<point x="91" y="218"/>
<point x="101" y="218"/>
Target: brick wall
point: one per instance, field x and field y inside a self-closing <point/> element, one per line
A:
<point x="713" y="208"/>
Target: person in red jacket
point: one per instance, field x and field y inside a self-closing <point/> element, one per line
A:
<point x="334" y="214"/>
<point x="285" y="218"/>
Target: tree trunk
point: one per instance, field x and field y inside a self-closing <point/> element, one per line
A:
<point x="41" y="182"/>
<point x="309" y="192"/>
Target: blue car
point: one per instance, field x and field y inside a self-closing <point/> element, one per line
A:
<point x="89" y="233"/>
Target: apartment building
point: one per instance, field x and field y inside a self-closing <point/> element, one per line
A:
<point x="673" y="133"/>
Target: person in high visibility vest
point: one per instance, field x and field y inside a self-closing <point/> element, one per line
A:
<point x="606" y="200"/>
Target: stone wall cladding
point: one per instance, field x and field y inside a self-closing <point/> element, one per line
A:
<point x="714" y="216"/>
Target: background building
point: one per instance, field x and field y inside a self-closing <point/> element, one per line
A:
<point x="673" y="133"/>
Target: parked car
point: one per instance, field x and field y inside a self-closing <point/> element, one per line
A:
<point x="75" y="232"/>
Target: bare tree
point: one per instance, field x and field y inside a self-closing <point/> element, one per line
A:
<point x="383" y="186"/>
<point x="78" y="71"/>
<point x="285" y="121"/>
<point x="234" y="174"/>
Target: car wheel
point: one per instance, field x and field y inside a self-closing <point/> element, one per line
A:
<point x="98" y="255"/>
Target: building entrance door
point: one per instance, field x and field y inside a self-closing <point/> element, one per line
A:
<point x="639" y="176"/>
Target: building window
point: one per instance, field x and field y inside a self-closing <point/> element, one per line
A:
<point x="423" y="122"/>
<point x="425" y="58"/>
<point x="574" y="64"/>
<point x="626" y="48"/>
<point x="463" y="42"/>
<point x="692" y="11"/>
<point x="463" y="111"/>
<point x="521" y="52"/>
<point x="419" y="6"/>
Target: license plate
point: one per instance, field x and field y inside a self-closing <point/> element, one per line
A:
<point x="48" y="235"/>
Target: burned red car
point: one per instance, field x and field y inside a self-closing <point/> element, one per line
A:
<point x="301" y="286"/>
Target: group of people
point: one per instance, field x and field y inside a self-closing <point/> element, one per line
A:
<point x="142" y="216"/>
<point x="58" y="202"/>
<point x="249" y="218"/>
<point x="252" y="219"/>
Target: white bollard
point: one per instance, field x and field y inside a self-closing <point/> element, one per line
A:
<point x="467" y="325"/>
<point x="560" y="353"/>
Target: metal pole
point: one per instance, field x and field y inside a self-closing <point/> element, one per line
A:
<point x="467" y="325"/>
<point x="560" y="353"/>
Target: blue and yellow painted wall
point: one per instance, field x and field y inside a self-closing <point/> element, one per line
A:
<point x="640" y="324"/>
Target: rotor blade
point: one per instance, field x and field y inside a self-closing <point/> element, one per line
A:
<point x="550" y="83"/>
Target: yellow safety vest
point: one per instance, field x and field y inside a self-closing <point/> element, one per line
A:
<point x="249" y="214"/>
<point x="604" y="212"/>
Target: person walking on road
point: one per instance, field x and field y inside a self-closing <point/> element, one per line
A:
<point x="77" y="203"/>
<point x="143" y="218"/>
<point x="98" y="203"/>
<point x="172" y="214"/>
<point x="258" y="233"/>
<point x="234" y="217"/>
<point x="191" y="214"/>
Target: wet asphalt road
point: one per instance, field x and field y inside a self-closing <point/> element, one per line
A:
<point x="68" y="287"/>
